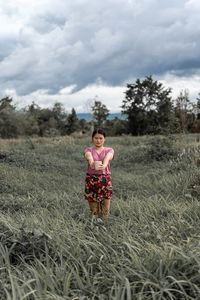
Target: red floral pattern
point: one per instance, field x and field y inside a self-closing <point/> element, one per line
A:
<point x="98" y="187"/>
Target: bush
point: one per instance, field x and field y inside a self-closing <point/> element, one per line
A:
<point x="161" y="148"/>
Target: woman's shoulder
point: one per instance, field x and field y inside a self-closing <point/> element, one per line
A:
<point x="109" y="149"/>
<point x="88" y="149"/>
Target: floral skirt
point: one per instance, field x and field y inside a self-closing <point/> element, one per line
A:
<point x="98" y="187"/>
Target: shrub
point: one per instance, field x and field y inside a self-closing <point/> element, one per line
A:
<point x="161" y="148"/>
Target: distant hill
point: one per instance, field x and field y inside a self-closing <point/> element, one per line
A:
<point x="88" y="116"/>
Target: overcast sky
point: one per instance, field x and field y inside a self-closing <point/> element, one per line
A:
<point x="72" y="51"/>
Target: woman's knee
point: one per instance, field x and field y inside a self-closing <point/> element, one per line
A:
<point x="105" y="207"/>
<point x="94" y="208"/>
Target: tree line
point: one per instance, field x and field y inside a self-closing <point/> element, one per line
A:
<point x="148" y="107"/>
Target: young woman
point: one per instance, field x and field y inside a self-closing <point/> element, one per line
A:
<point x="98" y="186"/>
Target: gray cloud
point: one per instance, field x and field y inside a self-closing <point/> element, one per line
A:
<point x="57" y="43"/>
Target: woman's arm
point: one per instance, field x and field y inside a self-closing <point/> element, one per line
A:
<point x="108" y="157"/>
<point x="89" y="158"/>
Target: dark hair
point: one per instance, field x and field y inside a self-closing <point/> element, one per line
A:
<point x="100" y="131"/>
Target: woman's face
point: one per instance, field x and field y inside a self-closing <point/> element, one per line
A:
<point x="98" y="140"/>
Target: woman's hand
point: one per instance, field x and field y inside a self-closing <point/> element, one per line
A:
<point x="102" y="167"/>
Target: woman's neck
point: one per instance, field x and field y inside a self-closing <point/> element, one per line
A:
<point x="99" y="149"/>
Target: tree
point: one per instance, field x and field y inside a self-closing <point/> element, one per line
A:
<point x="33" y="110"/>
<point x="47" y="123"/>
<point x="61" y="117"/>
<point x="185" y="117"/>
<point x="73" y="124"/>
<point x="5" y="104"/>
<point x="116" y="126"/>
<point x="198" y="107"/>
<point x="84" y="125"/>
<point x="148" y="106"/>
<point x="100" y="113"/>
<point x="197" y="125"/>
<point x="9" y="122"/>
<point x="30" y="125"/>
<point x="42" y="118"/>
<point x="31" y="117"/>
<point x="165" y="116"/>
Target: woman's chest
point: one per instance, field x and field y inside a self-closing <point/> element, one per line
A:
<point x="98" y="156"/>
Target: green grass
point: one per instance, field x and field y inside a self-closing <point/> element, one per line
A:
<point x="147" y="249"/>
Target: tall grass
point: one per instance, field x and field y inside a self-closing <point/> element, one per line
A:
<point x="147" y="249"/>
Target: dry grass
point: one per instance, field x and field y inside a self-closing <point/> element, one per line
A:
<point x="51" y="249"/>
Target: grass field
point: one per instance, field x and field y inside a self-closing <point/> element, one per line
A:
<point x="147" y="249"/>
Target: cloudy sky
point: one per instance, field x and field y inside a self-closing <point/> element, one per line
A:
<point x="75" y="51"/>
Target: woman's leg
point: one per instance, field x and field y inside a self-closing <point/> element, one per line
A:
<point x="105" y="208"/>
<point x="94" y="208"/>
